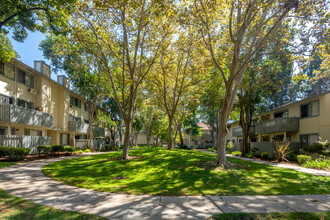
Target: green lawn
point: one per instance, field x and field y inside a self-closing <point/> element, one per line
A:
<point x="6" y="164"/>
<point x="273" y="216"/>
<point x="12" y="207"/>
<point x="182" y="172"/>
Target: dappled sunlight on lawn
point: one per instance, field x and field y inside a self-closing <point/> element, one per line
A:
<point x="181" y="172"/>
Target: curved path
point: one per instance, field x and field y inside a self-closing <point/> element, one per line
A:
<point x="27" y="181"/>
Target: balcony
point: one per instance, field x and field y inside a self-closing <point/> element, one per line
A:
<point x="20" y="115"/>
<point x="206" y="137"/>
<point x="238" y="132"/>
<point x="277" y="125"/>
<point x="81" y="127"/>
<point x="77" y="126"/>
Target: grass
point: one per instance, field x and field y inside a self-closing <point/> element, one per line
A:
<point x="273" y="216"/>
<point x="181" y="172"/>
<point x="12" y="207"/>
<point x="6" y="164"/>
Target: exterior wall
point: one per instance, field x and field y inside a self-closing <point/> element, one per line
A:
<point x="309" y="125"/>
<point x="53" y="98"/>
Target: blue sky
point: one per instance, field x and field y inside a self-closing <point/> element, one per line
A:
<point x="29" y="49"/>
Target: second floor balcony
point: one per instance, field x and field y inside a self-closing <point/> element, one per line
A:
<point x="277" y="125"/>
<point x="238" y="131"/>
<point x="81" y="127"/>
<point x="20" y="115"/>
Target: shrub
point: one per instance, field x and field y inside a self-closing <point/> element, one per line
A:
<point x="236" y="153"/>
<point x="3" y="151"/>
<point x="302" y="159"/>
<point x="281" y="150"/>
<point x="314" y="148"/>
<point x="264" y="155"/>
<point x="68" y="149"/>
<point x="44" y="149"/>
<point x="229" y="147"/>
<point x="183" y="146"/>
<point x="321" y="163"/>
<point x="17" y="154"/>
<point x="88" y="150"/>
<point x="79" y="152"/>
<point x="249" y="155"/>
<point x="57" y="148"/>
<point x="212" y="149"/>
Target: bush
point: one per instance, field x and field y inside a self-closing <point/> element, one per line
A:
<point x="314" y="148"/>
<point x="68" y="149"/>
<point x="17" y="154"/>
<point x="212" y="149"/>
<point x="88" y="150"/>
<point x="46" y="149"/>
<point x="57" y="148"/>
<point x="79" y="152"/>
<point x="229" y="147"/>
<point x="264" y="155"/>
<point x="236" y="153"/>
<point x="302" y="159"/>
<point x="321" y="163"/>
<point x="183" y="146"/>
<point x="249" y="155"/>
<point x="3" y="151"/>
<point x="281" y="150"/>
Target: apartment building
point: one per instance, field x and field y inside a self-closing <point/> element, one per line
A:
<point x="34" y="109"/>
<point x="301" y="123"/>
<point x="201" y="141"/>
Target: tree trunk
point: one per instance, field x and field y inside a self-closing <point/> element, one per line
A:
<point x="91" y="144"/>
<point x="221" y="148"/>
<point x="180" y="133"/>
<point x="170" y="138"/>
<point x="127" y="136"/>
<point x="245" y="130"/>
<point x="148" y="141"/>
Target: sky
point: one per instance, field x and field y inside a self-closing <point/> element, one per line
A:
<point x="29" y="50"/>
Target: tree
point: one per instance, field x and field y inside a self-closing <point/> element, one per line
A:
<point x="32" y="15"/>
<point x="233" y="33"/>
<point x="112" y="119"/>
<point x="6" y="49"/>
<point x="176" y="76"/>
<point x="136" y="129"/>
<point x="125" y="38"/>
<point x="149" y="116"/>
<point x="191" y="125"/>
<point x="86" y="75"/>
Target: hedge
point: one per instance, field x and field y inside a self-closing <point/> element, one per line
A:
<point x="14" y="153"/>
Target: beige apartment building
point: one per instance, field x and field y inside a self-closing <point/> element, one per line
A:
<point x="201" y="141"/>
<point x="34" y="109"/>
<point x="301" y="123"/>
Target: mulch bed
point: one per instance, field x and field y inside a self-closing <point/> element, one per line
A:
<point x="33" y="157"/>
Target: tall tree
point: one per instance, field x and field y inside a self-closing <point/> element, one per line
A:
<point x="125" y="37"/>
<point x="233" y="32"/>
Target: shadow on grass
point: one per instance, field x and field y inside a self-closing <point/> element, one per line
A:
<point x="164" y="172"/>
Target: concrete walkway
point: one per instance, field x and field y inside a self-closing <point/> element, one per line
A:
<point x="27" y="181"/>
<point x="287" y="166"/>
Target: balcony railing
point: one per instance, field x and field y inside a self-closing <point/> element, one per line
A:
<point x="277" y="125"/>
<point x="81" y="127"/>
<point x="238" y="132"/>
<point x="206" y="136"/>
<point x="20" y="115"/>
<point x="24" y="141"/>
<point x="77" y="126"/>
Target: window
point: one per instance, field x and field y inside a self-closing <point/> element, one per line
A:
<point x="308" y="139"/>
<point x="7" y="70"/>
<point x="25" y="78"/>
<point x="282" y="114"/>
<point x="73" y="118"/>
<point x="86" y="121"/>
<point x="85" y="107"/>
<point x="75" y="102"/>
<point x="310" y="109"/>
<point x="3" y="131"/>
<point x="25" y="104"/>
<point x="6" y="99"/>
<point x="64" y="139"/>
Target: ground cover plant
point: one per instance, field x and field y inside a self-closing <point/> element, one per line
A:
<point x="182" y="172"/>
<point x="12" y="207"/>
<point x="273" y="216"/>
